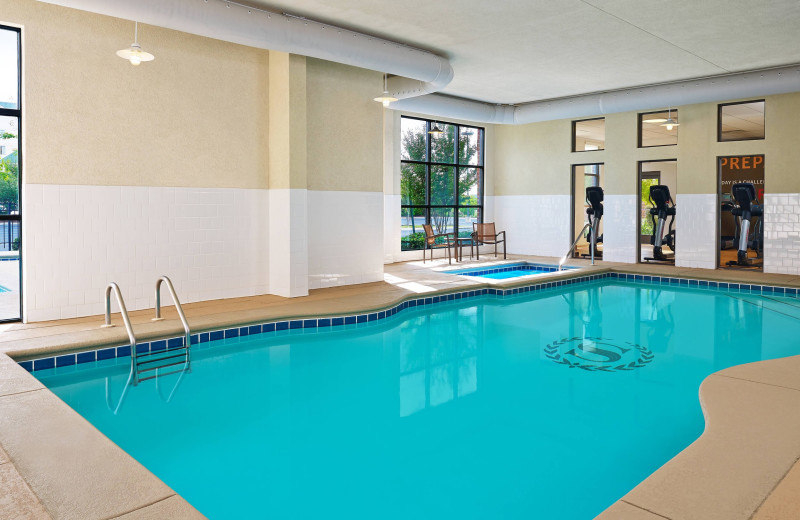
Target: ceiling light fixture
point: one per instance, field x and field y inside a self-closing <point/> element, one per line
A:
<point x="435" y="130"/>
<point x="670" y="123"/>
<point x="385" y="98"/>
<point x="654" y="120"/>
<point x="134" y="53"/>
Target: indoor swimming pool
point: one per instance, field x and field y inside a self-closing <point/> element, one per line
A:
<point x="544" y="404"/>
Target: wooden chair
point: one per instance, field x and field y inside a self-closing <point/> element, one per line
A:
<point x="486" y="234"/>
<point x="430" y="242"/>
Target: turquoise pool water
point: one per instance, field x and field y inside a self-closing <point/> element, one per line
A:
<point x="504" y="271"/>
<point x="541" y="405"/>
<point x="513" y="273"/>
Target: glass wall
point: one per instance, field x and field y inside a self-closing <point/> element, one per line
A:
<point x="741" y="234"/>
<point x="10" y="175"/>
<point x="441" y="179"/>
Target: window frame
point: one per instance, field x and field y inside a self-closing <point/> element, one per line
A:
<point x="719" y="120"/>
<point x="639" y="130"/>
<point x="428" y="164"/>
<point x="574" y="134"/>
<point x="17" y="113"/>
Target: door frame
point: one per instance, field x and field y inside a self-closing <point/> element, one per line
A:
<point x="572" y="193"/>
<point x="639" y="172"/>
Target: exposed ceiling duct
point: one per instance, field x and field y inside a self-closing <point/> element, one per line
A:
<point x="417" y="72"/>
<point x="719" y="88"/>
<point x="420" y="74"/>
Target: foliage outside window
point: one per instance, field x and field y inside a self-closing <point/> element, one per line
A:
<point x="441" y="179"/>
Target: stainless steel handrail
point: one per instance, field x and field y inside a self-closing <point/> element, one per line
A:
<point x="580" y="235"/>
<point x="126" y="320"/>
<point x="178" y="307"/>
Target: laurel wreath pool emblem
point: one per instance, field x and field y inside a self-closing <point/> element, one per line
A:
<point x="598" y="354"/>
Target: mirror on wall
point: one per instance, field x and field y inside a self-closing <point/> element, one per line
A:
<point x="741" y="210"/>
<point x="587" y="184"/>
<point x="657" y="187"/>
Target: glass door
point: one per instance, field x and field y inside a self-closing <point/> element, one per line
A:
<point x="585" y="176"/>
<point x="10" y="176"/>
<point x="663" y="174"/>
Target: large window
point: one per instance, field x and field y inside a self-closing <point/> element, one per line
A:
<point x="441" y="179"/>
<point x="10" y="171"/>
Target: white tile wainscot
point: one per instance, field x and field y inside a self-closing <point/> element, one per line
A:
<point x="782" y="233"/>
<point x="345" y="238"/>
<point x="535" y="224"/>
<point x="620" y="237"/>
<point x="288" y="236"/>
<point x="696" y="230"/>
<point x="212" y="243"/>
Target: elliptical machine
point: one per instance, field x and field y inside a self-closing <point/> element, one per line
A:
<point x="594" y="197"/>
<point x="747" y="207"/>
<point x="663" y="207"/>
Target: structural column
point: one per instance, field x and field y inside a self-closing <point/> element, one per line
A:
<point x="288" y="212"/>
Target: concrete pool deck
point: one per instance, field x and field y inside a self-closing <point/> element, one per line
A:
<point x="54" y="464"/>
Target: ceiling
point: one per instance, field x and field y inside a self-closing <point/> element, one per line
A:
<point x="516" y="51"/>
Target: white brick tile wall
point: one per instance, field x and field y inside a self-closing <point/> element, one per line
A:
<point x="696" y="231"/>
<point x="619" y="228"/>
<point x="212" y="243"/>
<point x="535" y="224"/>
<point x="345" y="237"/>
<point x="782" y="233"/>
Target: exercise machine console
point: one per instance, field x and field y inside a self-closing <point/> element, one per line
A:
<point x="663" y="207"/>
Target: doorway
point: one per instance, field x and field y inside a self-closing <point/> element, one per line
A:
<point x="656" y="173"/>
<point x="584" y="176"/>
<point x="741" y="232"/>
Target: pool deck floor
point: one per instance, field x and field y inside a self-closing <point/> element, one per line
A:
<point x="54" y="464"/>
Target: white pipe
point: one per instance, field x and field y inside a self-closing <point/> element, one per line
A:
<point x="766" y="82"/>
<point x="421" y="72"/>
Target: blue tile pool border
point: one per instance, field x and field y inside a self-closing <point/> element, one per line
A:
<point x="283" y="327"/>
<point x="518" y="266"/>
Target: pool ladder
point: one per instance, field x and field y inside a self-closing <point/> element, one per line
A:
<point x="153" y="361"/>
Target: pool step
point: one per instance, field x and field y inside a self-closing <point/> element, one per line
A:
<point x="152" y="361"/>
<point x="787" y="307"/>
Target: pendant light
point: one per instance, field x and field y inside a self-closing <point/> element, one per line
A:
<point x="654" y="120"/>
<point x="385" y="98"/>
<point x="134" y="53"/>
<point x="435" y="131"/>
<point x="670" y="123"/>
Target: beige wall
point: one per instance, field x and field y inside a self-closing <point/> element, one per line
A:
<point x="344" y="126"/>
<point x="535" y="159"/>
<point x="196" y="116"/>
<point x="287" y="121"/>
